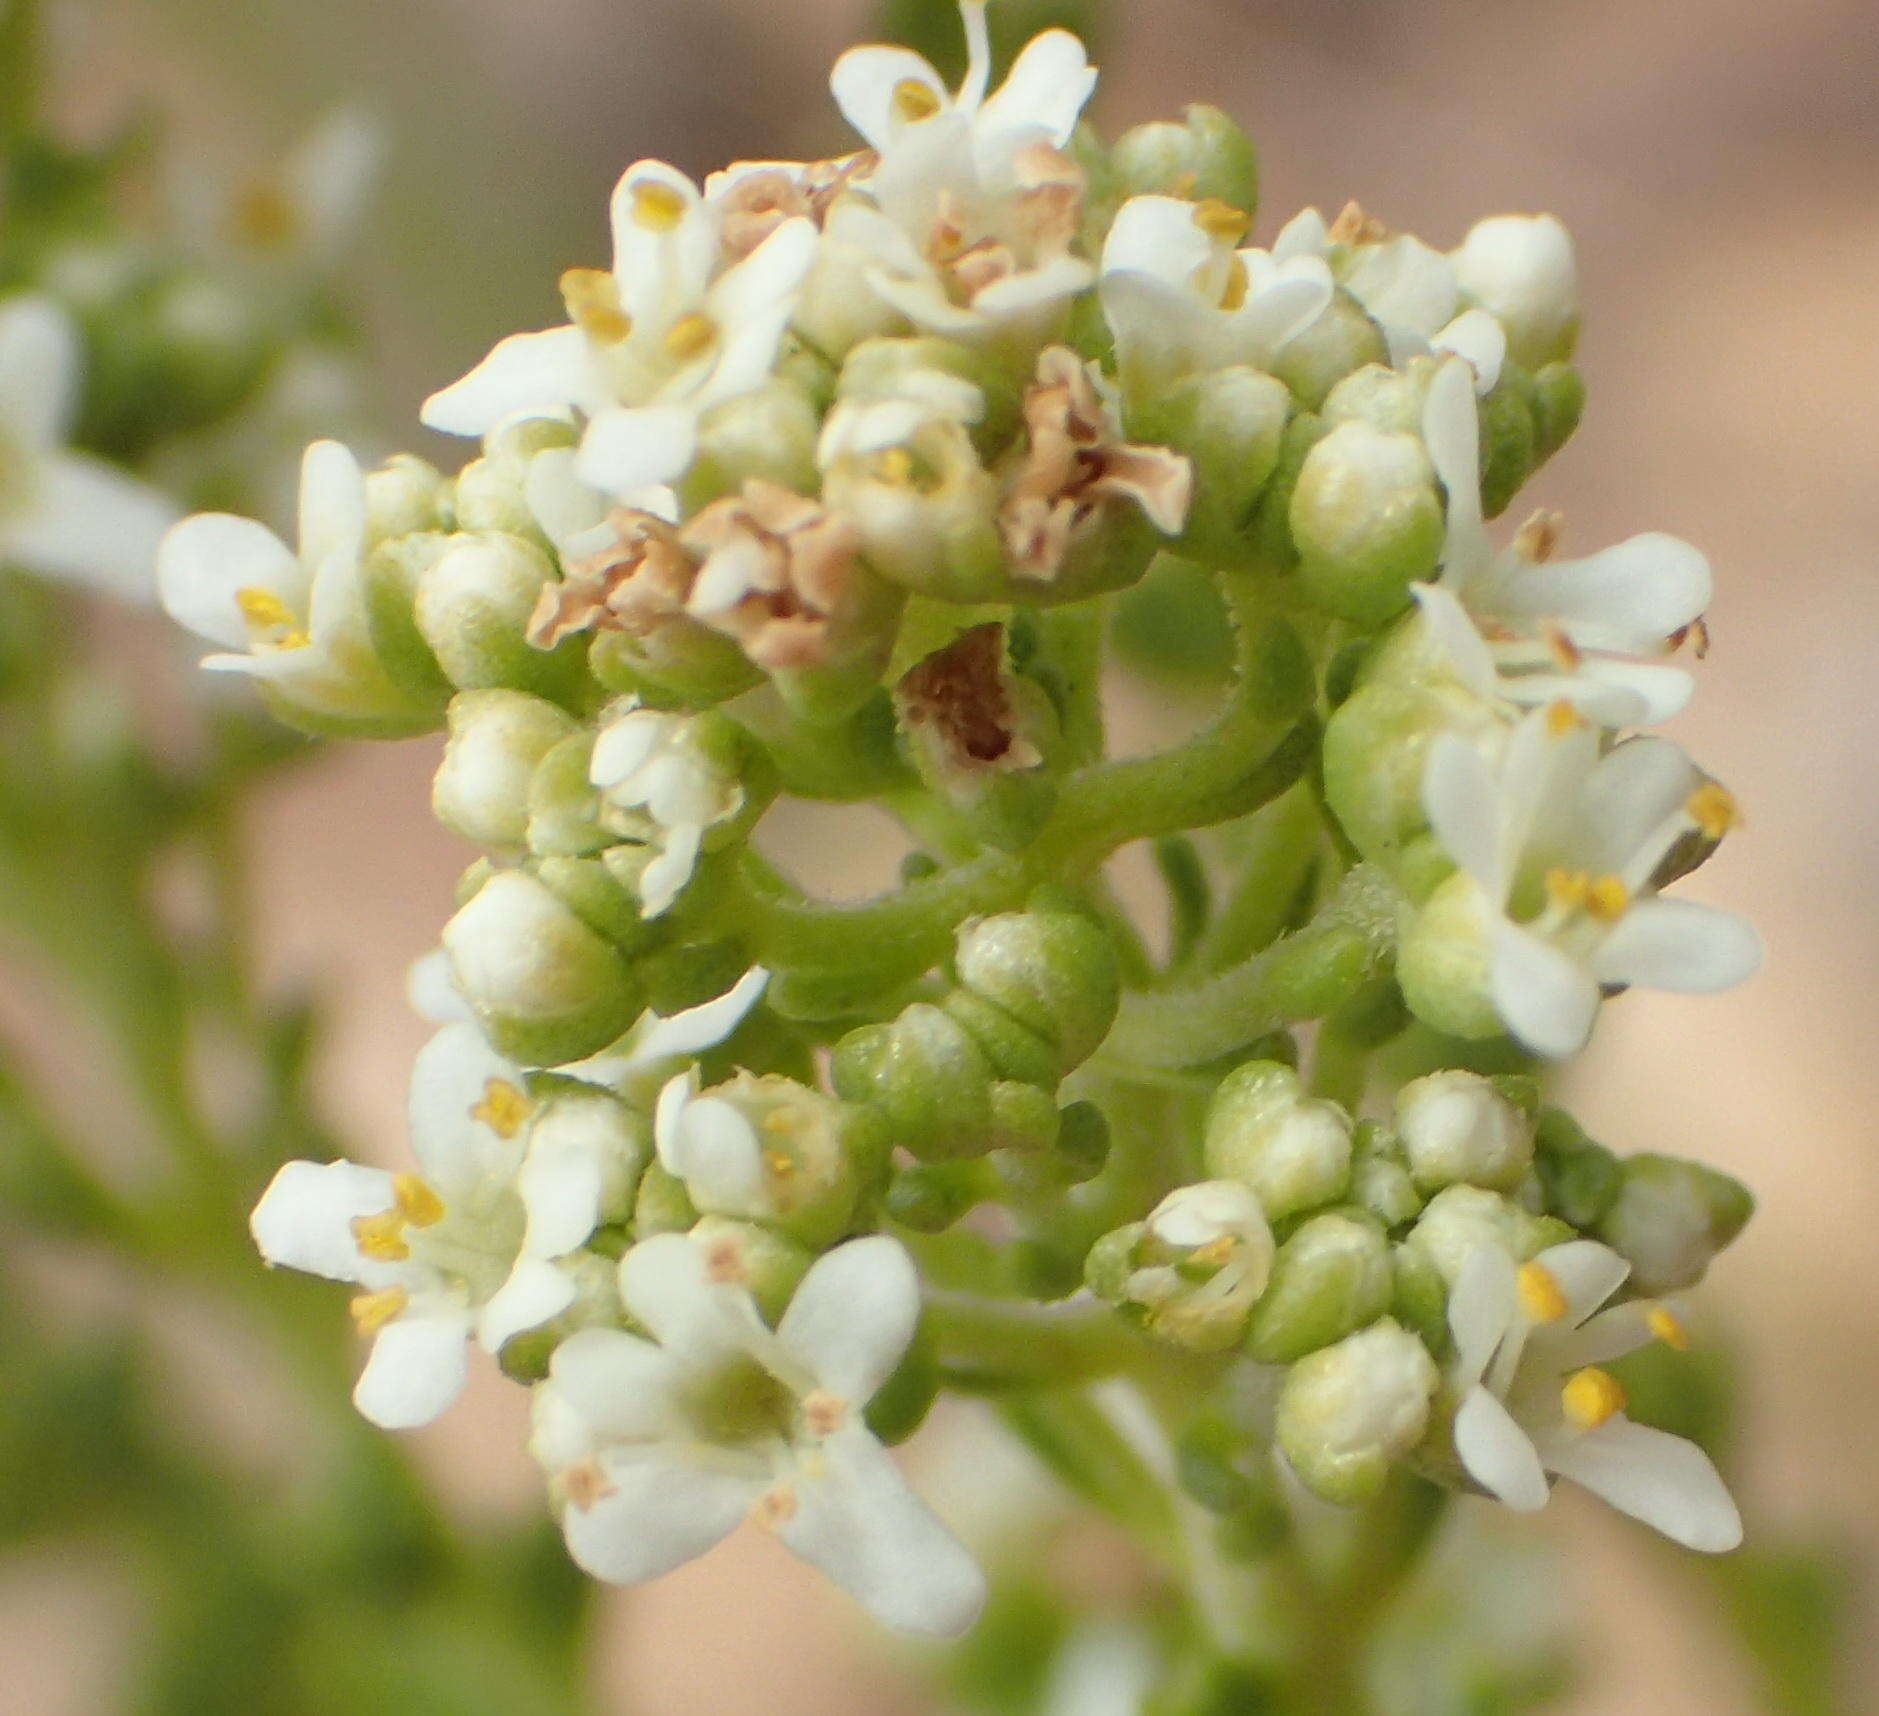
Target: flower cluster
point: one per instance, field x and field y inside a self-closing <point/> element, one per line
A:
<point x="825" y="490"/>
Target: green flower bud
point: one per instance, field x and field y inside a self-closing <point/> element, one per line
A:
<point x="769" y="432"/>
<point x="473" y="608"/>
<point x="545" y="988"/>
<point x="663" y="1205"/>
<point x="761" y="1260"/>
<point x="1442" y="962"/>
<point x="1366" y="520"/>
<point x="594" y="893"/>
<point x="1332" y="1276"/>
<point x="497" y="738"/>
<point x="1520" y="269"/>
<point x="389" y="582"/>
<point x="970" y="385"/>
<point x="1581" y="1179"/>
<point x="1558" y="404"/>
<point x="1053" y="972"/>
<point x="1460" y="1218"/>
<point x="1205" y="157"/>
<point x="1390" y="400"/>
<point x="928" y="1078"/>
<point x="491" y="492"/>
<point x="1193" y="1270"/>
<point x="1272" y="522"/>
<point x="1671" y="1218"/>
<point x="930" y="1196"/>
<point x="579" y="1136"/>
<point x="1341" y="342"/>
<point x="1263" y="1130"/>
<point x="1508" y="449"/>
<point x="1456" y="1129"/>
<point x="563" y="803"/>
<point x="1380" y="1179"/>
<point x="404" y="496"/>
<point x="1231" y="424"/>
<point x="1348" y="1412"/>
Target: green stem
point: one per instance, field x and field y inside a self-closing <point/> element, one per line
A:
<point x="1274" y="863"/>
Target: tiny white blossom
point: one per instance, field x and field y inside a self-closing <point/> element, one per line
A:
<point x="436" y="1255"/>
<point x="1529" y="1341"/>
<point x="1411" y="291"/>
<point x="1520" y="625"/>
<point x="62" y="513"/>
<point x="293" y="619"/>
<point x="657" y="1448"/>
<point x="671" y="330"/>
<point x="1520" y="269"/>
<point x="650" y="764"/>
<point x="1561" y="842"/>
<point x="1180" y="297"/>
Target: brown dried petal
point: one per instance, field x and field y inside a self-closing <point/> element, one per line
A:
<point x="958" y="694"/>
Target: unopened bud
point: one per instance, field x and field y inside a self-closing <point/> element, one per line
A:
<point x="769" y="432"/>
<point x="585" y="1156"/>
<point x="1348" y="1412"/>
<point x="1380" y="1179"/>
<point x="1443" y="962"/>
<point x="1332" y="1276"/>
<point x="928" y="1078"/>
<point x="1366" y="520"/>
<point x="1581" y="1179"/>
<point x="1457" y="1129"/>
<point x="766" y="1264"/>
<point x="1230" y="423"/>
<point x="1520" y="268"/>
<point x="1205" y="157"/>
<point x="1460" y="1219"/>
<point x="1341" y="342"/>
<point x="544" y="986"/>
<point x="497" y="739"/>
<point x="1263" y="1130"/>
<point x="473" y="608"/>
<point x="1053" y="972"/>
<point x="404" y="496"/>
<point x="1671" y="1219"/>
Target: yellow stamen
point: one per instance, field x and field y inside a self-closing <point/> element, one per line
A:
<point x="1667" y="1327"/>
<point x="262" y="608"/>
<point x="1221" y="220"/>
<point x="1567" y="889"/>
<point x="1561" y="718"/>
<point x="782" y="1166"/>
<point x="689" y="336"/>
<point x="265" y="217"/>
<point x="782" y="1120"/>
<point x="1353" y="226"/>
<point x="895" y="465"/>
<point x="1713" y="809"/>
<point x="1239" y="283"/>
<point x="1567" y="656"/>
<point x="1591" y="1397"/>
<point x="1540" y="1295"/>
<point x="417" y="1203"/>
<point x="381" y="1237"/>
<point x="503" y="1108"/>
<point x="372" y="1311"/>
<point x="1607" y="898"/>
<point x="914" y="101"/>
<point x="657" y="206"/>
<point x="592" y="296"/>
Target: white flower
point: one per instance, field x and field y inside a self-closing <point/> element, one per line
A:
<point x="658" y="1447"/>
<point x="62" y="513"/>
<point x="653" y="762"/>
<point x="1520" y="269"/>
<point x="1560" y="844"/>
<point x="1528" y="1345"/>
<point x="964" y="222"/>
<point x="293" y="620"/>
<point x="651" y="345"/>
<point x="300" y="214"/>
<point x="1181" y="298"/>
<point x="436" y="1255"/>
<point x="1519" y="625"/>
<point x="1412" y="292"/>
<point x="1209" y="1260"/>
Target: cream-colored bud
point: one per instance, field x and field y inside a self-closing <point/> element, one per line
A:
<point x="1456" y="1128"/>
<point x="1520" y="268"/>
<point x="497" y="738"/>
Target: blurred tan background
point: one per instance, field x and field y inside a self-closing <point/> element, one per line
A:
<point x="1718" y="162"/>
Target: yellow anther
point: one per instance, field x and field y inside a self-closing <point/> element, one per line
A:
<point x="1539" y="536"/>
<point x="1562" y="718"/>
<point x="416" y="1202"/>
<point x="1221" y="220"/>
<point x="1591" y="1397"/>
<point x="780" y="1165"/>
<point x="823" y="1413"/>
<point x="1607" y="898"/>
<point x="1239" y="283"/>
<point x="1713" y="809"/>
<point x="657" y="206"/>
<point x="1567" y="656"/>
<point x="592" y="296"/>
<point x="1216" y="1250"/>
<point x="503" y="1108"/>
<point x="782" y="1120"/>
<point x="263" y="609"/>
<point x="381" y="1237"/>
<point x="895" y="465"/>
<point x="1353" y="226"/>
<point x="774" y="1507"/>
<point x="689" y="336"/>
<point x="914" y="101"/>
<point x="1567" y="889"/>
<point x="265" y="217"/>
<point x="1667" y="1327"/>
<point x="372" y="1311"/>
<point x="584" y="1483"/>
<point x="1540" y="1295"/>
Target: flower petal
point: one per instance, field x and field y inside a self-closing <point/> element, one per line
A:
<point x="1546" y="998"/>
<point x="628" y="447"/>
<point x="417" y="1368"/>
<point x="93" y="524"/>
<point x="332" y="506"/>
<point x="620" y="1385"/>
<point x="432" y="991"/>
<point x="666" y="1286"/>
<point x="1679" y="945"/>
<point x="1631" y="596"/>
<point x="451" y="1082"/>
<point x="39" y="370"/>
<point x="1588" y="1274"/>
<point x="1498" y="1454"/>
<point x="856" y="1519"/>
<point x="1476" y="336"/>
<point x="1481" y="1309"/>
<point x="1044" y="93"/>
<point x="702" y="1027"/>
<point x="864" y="82"/>
<point x="1461" y="795"/>
<point x="535" y="1293"/>
<point x="205" y="561"/>
<point x="1655" y="1477"/>
<point x="657" y="1511"/>
<point x="1451" y="431"/>
<point x="539" y="374"/>
<point x="853" y="1316"/>
<point x="304" y="1219"/>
